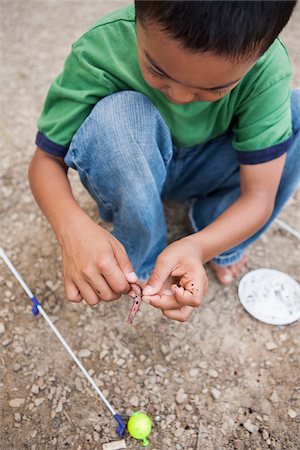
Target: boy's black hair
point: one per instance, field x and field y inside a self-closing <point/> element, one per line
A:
<point x="234" y="29"/>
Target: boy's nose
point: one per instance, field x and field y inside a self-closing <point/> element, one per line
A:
<point x="180" y="95"/>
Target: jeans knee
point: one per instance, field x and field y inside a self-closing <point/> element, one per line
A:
<point x="295" y="106"/>
<point x="122" y="110"/>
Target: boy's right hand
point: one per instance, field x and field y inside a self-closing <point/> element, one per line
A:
<point x="95" y="264"/>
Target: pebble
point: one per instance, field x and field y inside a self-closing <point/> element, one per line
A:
<point x="2" y="328"/>
<point x="16" y="402"/>
<point x="181" y="396"/>
<point x="194" y="372"/>
<point x="292" y="413"/>
<point x="134" y="401"/>
<point x="18" y="417"/>
<point x="96" y="436"/>
<point x="274" y="397"/>
<point x="18" y="349"/>
<point x="265" y="434"/>
<point x="179" y="432"/>
<point x="84" y="353"/>
<point x="203" y="365"/>
<point x="238" y="445"/>
<point x="213" y="373"/>
<point x="271" y="346"/>
<point x="116" y="445"/>
<point x="35" y="389"/>
<point x="215" y="393"/>
<point x="103" y="353"/>
<point x="250" y="426"/>
<point x="38" y="401"/>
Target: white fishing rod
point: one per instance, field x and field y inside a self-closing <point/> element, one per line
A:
<point x="36" y="308"/>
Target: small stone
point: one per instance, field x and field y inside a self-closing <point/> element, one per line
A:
<point x="292" y="413"/>
<point x="179" y="432"/>
<point x="18" y="417"/>
<point x="84" y="353"/>
<point x="164" y="349"/>
<point x="250" y="426"/>
<point x="103" y="353"/>
<point x="203" y="365"/>
<point x="181" y="396"/>
<point x="16" y="402"/>
<point x="194" y="372"/>
<point x="16" y="367"/>
<point x="265" y="434"/>
<point x="271" y="346"/>
<point x="38" y="401"/>
<point x="215" y="393"/>
<point x="134" y="401"/>
<point x="120" y="362"/>
<point x="6" y="342"/>
<point x="35" y="389"/>
<point x="238" y="445"/>
<point x="116" y="445"/>
<point x="274" y="397"/>
<point x="56" y="422"/>
<point x="18" y="349"/>
<point x="213" y="373"/>
<point x="2" y="328"/>
<point x="96" y="436"/>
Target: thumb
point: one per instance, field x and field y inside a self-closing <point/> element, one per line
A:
<point x="160" y="273"/>
<point x="126" y="267"/>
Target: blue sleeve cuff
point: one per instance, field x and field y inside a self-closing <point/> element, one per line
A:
<point x="264" y="155"/>
<point x="49" y="146"/>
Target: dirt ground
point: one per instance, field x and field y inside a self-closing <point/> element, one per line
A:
<point x="221" y="381"/>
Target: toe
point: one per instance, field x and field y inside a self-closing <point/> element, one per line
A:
<point x="224" y="275"/>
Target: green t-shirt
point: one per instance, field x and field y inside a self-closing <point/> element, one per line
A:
<point x="104" y="61"/>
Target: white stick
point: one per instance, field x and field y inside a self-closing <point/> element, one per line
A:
<point x="14" y="271"/>
<point x="55" y="330"/>
<point x="287" y="228"/>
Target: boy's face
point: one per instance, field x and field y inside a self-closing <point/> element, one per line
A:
<point x="183" y="76"/>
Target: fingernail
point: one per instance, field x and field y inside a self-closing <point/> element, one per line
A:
<point x="148" y="290"/>
<point x="146" y="300"/>
<point x="132" y="277"/>
<point x="227" y="277"/>
<point x="167" y="292"/>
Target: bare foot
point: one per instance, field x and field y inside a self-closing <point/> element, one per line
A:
<point x="227" y="274"/>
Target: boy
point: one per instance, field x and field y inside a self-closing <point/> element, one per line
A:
<point x="182" y="100"/>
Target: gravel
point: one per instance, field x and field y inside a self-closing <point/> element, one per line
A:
<point x="222" y="376"/>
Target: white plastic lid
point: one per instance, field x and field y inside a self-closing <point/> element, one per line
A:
<point x="270" y="296"/>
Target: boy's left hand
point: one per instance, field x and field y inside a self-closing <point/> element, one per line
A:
<point x="178" y="281"/>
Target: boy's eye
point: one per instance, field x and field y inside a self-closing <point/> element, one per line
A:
<point x="154" y="72"/>
<point x="218" y="91"/>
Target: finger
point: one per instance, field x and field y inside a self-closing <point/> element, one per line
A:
<point x="165" y="302"/>
<point x="72" y="292"/>
<point x="103" y="289"/>
<point x="125" y="266"/>
<point x="88" y="293"/>
<point x="187" y="298"/>
<point x="99" y="284"/>
<point x="115" y="278"/>
<point x="159" y="275"/>
<point x="181" y="315"/>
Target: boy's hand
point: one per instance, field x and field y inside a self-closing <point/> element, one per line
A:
<point x="95" y="264"/>
<point x="180" y="260"/>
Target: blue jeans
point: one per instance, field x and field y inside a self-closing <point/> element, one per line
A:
<point x="125" y="158"/>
